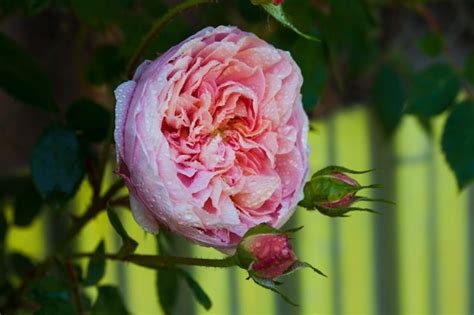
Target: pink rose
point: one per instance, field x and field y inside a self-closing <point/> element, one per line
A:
<point x="211" y="137"/>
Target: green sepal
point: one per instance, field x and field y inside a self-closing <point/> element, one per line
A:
<point x="302" y="264"/>
<point x="360" y="198"/>
<point x="338" y="169"/>
<point x="331" y="212"/>
<point x="271" y="285"/>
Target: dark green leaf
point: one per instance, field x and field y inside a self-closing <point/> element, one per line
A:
<point x="458" y="142"/>
<point x="105" y="66"/>
<point x="96" y="267"/>
<point x="109" y="302"/>
<point x="167" y="284"/>
<point x="434" y="89"/>
<point x="128" y="244"/>
<point x="27" y="205"/>
<point x="388" y="97"/>
<point x="277" y="12"/>
<point x="198" y="292"/>
<point x="469" y="69"/>
<point x="52" y="294"/>
<point x="431" y="44"/>
<point x="20" y="264"/>
<point x="22" y="78"/>
<point x="310" y="58"/>
<point x="56" y="166"/>
<point x="89" y="120"/>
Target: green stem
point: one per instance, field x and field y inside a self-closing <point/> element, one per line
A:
<point x="155" y="29"/>
<point x="158" y="262"/>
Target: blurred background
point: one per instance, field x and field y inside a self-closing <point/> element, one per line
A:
<point x="390" y="87"/>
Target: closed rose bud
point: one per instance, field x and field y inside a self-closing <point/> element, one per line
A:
<point x="277" y="2"/>
<point x="332" y="192"/>
<point x="266" y="253"/>
<point x="267" y="256"/>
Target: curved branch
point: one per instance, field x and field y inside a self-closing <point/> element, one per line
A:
<point x="155" y="29"/>
<point x="158" y="262"/>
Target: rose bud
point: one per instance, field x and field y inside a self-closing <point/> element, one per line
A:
<point x="211" y="137"/>
<point x="332" y="192"/>
<point x="267" y="256"/>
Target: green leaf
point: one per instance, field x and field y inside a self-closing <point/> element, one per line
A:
<point x="128" y="244"/>
<point x="198" y="292"/>
<point x="431" y="44"/>
<point x="388" y="98"/>
<point x="310" y="58"/>
<point x="167" y="285"/>
<point x="27" y="205"/>
<point x="272" y="285"/>
<point x="96" y="267"/>
<point x="52" y="294"/>
<point x="89" y="120"/>
<point x="56" y="166"/>
<point x="106" y="65"/>
<point x="109" y="302"/>
<point x="22" y="78"/>
<point x="458" y="142"/>
<point x="434" y="89"/>
<point x="277" y="12"/>
<point x="469" y="68"/>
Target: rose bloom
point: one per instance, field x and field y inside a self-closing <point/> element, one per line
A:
<point x="211" y="137"/>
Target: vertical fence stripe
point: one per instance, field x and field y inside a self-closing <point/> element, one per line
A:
<point x="314" y="239"/>
<point x="385" y="224"/>
<point x="412" y="148"/>
<point x="356" y="235"/>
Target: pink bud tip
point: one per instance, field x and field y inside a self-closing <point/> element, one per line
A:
<point x="277" y="2"/>
<point x="346" y="179"/>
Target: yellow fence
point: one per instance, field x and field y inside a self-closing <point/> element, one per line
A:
<point x="414" y="258"/>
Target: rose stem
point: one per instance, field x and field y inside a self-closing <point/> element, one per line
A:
<point x="157" y="262"/>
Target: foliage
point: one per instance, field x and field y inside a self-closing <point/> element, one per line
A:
<point x="342" y="48"/>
